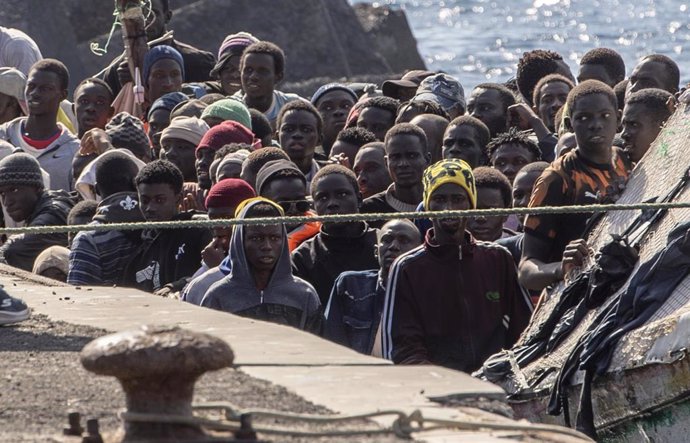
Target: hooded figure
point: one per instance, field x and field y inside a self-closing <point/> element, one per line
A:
<point x="285" y="299"/>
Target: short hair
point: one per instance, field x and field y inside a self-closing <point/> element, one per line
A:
<point x="551" y="78"/>
<point x="382" y="102"/>
<point x="486" y="177"/>
<point x="356" y="136"/>
<point x="161" y="172"/>
<point x="95" y="81"/>
<point x="257" y="159"/>
<point x="380" y="146"/>
<point x="506" y="95"/>
<point x="300" y="105"/>
<point x="265" y="47"/>
<point x="671" y="68"/>
<point x="610" y="60"/>
<point x="619" y="90"/>
<point x="85" y="208"/>
<point x="654" y="100"/>
<point x="230" y="149"/>
<point x="513" y="137"/>
<point x="589" y="87"/>
<point x="261" y="127"/>
<point x="262" y="210"/>
<point x="424" y="107"/>
<point x="56" y="67"/>
<point x="284" y="174"/>
<point x="532" y="67"/>
<point x="480" y="128"/>
<point x="407" y="129"/>
<point x="115" y="173"/>
<point x="334" y="169"/>
<point x="534" y="167"/>
<point x="404" y="221"/>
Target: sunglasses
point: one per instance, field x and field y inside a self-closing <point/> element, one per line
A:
<point x="295" y="206"/>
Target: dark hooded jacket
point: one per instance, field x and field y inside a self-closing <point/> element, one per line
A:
<point x="287" y="299"/>
<point x="100" y="257"/>
<point x="167" y="256"/>
<point x="51" y="209"/>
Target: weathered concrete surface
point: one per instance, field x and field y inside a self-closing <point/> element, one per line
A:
<point x="319" y="371"/>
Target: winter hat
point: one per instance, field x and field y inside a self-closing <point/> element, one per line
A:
<point x="237" y="157"/>
<point x="449" y="171"/>
<point x="242" y="209"/>
<point x="20" y="169"/>
<point x="126" y="131"/>
<point x="224" y="134"/>
<point x="189" y="108"/>
<point x="167" y="102"/>
<point x="161" y="52"/>
<point x="13" y="83"/>
<point x="271" y="168"/>
<point x="229" y="193"/>
<point x="234" y="44"/>
<point x="190" y="129"/>
<point x="325" y="89"/>
<point x="229" y="109"/>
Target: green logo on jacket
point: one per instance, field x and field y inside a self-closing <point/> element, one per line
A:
<point x="493" y="296"/>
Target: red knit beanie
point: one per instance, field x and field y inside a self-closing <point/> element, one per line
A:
<point x="224" y="134"/>
<point x="229" y="193"/>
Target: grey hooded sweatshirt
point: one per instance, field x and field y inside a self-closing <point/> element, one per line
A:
<point x="56" y="159"/>
<point x="287" y="299"/>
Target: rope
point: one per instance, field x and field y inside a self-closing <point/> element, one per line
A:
<point x="403" y="426"/>
<point x="340" y="218"/>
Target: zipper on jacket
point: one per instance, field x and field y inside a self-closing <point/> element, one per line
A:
<point x="262" y="297"/>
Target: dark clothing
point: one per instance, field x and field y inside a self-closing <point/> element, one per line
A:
<point x="51" y="209"/>
<point x="452" y="306"/>
<point x="286" y="299"/>
<point x="573" y="180"/>
<point x="547" y="146"/>
<point x="167" y="256"/>
<point x="354" y="310"/>
<point x="514" y="245"/>
<point x="322" y="258"/>
<point x="197" y="65"/>
<point x="100" y="257"/>
<point x="384" y="202"/>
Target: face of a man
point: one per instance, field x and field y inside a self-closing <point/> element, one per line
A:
<point x="158" y="201"/>
<point x="395" y="239"/>
<point x="487" y="106"/>
<point x="487" y="228"/>
<point x="334" y="194"/>
<point x="298" y="135"/>
<point x="510" y="158"/>
<point x="640" y="129"/>
<point x="290" y="193"/>
<point x="370" y="169"/>
<point x="180" y="153"/>
<point x="449" y="197"/>
<point x="334" y="106"/>
<point x="92" y="107"/>
<point x="522" y="190"/>
<point x="262" y="246"/>
<point x="552" y="97"/>
<point x="44" y="92"/>
<point x="165" y="77"/>
<point x="376" y="120"/>
<point x="19" y="200"/>
<point x="160" y="119"/>
<point x="156" y="20"/>
<point x="204" y="158"/>
<point x="258" y="75"/>
<point x="461" y="142"/>
<point x="594" y="120"/>
<point x="406" y="158"/>
<point x="230" y="76"/>
<point x="650" y="74"/>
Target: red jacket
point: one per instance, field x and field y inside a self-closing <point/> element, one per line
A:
<point x="453" y="306"/>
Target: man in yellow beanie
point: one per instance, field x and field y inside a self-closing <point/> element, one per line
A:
<point x="454" y="301"/>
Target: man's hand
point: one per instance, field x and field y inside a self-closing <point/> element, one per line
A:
<point x="574" y="256"/>
<point x="213" y="254"/>
<point x="94" y="141"/>
<point x="340" y="159"/>
<point x="123" y="74"/>
<point x="189" y="203"/>
<point x="521" y="116"/>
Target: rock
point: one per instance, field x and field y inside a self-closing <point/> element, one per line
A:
<point x="389" y="30"/>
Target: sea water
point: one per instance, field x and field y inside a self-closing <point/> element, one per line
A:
<point x="482" y="40"/>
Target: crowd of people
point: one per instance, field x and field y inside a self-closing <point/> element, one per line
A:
<point x="218" y="140"/>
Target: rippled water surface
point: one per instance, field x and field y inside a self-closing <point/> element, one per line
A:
<point x="481" y="40"/>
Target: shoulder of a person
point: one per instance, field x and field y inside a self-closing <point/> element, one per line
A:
<point x="305" y="249"/>
<point x="493" y="250"/>
<point x="410" y="258"/>
<point x="349" y="276"/>
<point x="188" y="50"/>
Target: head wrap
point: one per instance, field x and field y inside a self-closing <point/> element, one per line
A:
<point x="190" y="129"/>
<point x="442" y="89"/>
<point x="229" y="193"/>
<point x="271" y="168"/>
<point x="167" y="102"/>
<point x="449" y="171"/>
<point x="255" y="200"/>
<point x="13" y="83"/>
<point x="236" y="157"/>
<point x="161" y="52"/>
<point x="20" y="170"/>
<point x="225" y="133"/>
<point x="229" y="109"/>
<point x="234" y="44"/>
<point x="53" y="257"/>
<point x="126" y="131"/>
<point x="325" y="89"/>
